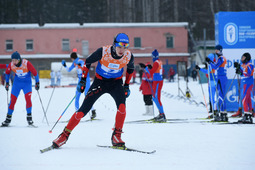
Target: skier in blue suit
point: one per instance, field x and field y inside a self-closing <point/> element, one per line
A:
<point x="219" y="65"/>
<point x="211" y="83"/>
<point x="78" y="64"/>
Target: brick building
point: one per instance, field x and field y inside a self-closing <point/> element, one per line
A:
<point x="54" y="42"/>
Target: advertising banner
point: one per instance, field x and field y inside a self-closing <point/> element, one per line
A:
<point x="235" y="31"/>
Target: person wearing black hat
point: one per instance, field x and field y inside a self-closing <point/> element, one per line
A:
<point x="219" y="65"/>
<point x="111" y="61"/>
<point x="78" y="64"/>
<point x="22" y="81"/>
<point x="246" y="71"/>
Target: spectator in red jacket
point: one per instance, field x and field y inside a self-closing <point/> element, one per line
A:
<point x="145" y="87"/>
<point x="171" y="74"/>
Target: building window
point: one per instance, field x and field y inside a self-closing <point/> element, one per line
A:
<point x="137" y="42"/>
<point x="29" y="45"/>
<point x="169" y="42"/>
<point x="65" y="45"/>
<point x="9" y="45"/>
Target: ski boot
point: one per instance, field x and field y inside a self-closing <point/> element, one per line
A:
<point x="160" y="118"/>
<point x="238" y="113"/>
<point x="29" y="119"/>
<point x="62" y="138"/>
<point x="246" y="119"/>
<point x="224" y="117"/>
<point x="217" y="118"/>
<point x="7" y="121"/>
<point x="94" y="114"/>
<point x="116" y="138"/>
<point x="212" y="115"/>
<point x="149" y="110"/>
<point x="250" y="118"/>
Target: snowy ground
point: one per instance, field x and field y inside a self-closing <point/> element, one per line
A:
<point x="178" y="145"/>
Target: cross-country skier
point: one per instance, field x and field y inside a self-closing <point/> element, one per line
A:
<point x="111" y="61"/>
<point x="22" y="81"/>
<point x="211" y="83"/>
<point x="219" y="65"/>
<point x="78" y="64"/>
<point x="246" y="71"/>
<point x="157" y="73"/>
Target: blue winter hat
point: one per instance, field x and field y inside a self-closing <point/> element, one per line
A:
<point x="219" y="47"/>
<point x="155" y="54"/>
<point x="16" y="56"/>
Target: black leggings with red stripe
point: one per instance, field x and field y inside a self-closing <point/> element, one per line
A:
<point x="99" y="87"/>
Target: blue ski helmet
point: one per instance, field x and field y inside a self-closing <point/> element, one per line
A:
<point x="121" y="40"/>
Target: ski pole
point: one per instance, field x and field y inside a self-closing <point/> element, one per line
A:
<point x="239" y="92"/>
<point x="7" y="100"/>
<point x="154" y="95"/>
<point x="52" y="92"/>
<point x="210" y="86"/>
<point x="43" y="108"/>
<point x="203" y="92"/>
<point x="50" y="131"/>
<point x="50" y="98"/>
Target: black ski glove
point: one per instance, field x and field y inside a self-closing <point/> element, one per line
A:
<point x="81" y="85"/>
<point x="7" y="85"/>
<point x="37" y="86"/>
<point x="126" y="90"/>
<point x="208" y="60"/>
<point x="64" y="63"/>
<point x="197" y="67"/>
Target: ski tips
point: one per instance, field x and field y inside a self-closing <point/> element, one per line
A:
<point x="50" y="131"/>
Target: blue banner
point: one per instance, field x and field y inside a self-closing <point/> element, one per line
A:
<point x="235" y="29"/>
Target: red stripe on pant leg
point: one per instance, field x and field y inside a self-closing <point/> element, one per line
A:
<point x="160" y="84"/>
<point x="13" y="101"/>
<point x="28" y="100"/>
<point x="74" y="121"/>
<point x="120" y="116"/>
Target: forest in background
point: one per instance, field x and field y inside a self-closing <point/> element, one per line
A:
<point x="199" y="14"/>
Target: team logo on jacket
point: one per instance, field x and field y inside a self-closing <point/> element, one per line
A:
<point x="114" y="66"/>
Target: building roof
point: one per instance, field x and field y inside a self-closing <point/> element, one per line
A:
<point x="93" y="25"/>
